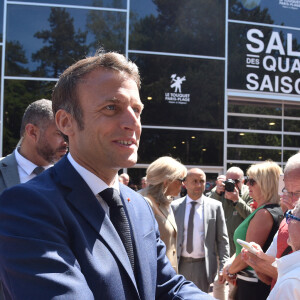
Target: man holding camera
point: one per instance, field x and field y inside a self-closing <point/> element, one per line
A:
<point x="234" y="195"/>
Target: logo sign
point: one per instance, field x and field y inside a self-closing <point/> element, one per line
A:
<point x="176" y="97"/>
<point x="292" y="4"/>
<point x="277" y="60"/>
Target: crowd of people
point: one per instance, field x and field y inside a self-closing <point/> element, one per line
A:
<point x="71" y="227"/>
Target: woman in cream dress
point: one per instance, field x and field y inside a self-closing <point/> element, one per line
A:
<point x="164" y="177"/>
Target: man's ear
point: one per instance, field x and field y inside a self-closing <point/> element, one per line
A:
<point x="32" y="132"/>
<point x="65" y="122"/>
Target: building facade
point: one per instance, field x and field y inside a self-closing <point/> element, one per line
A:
<point x="220" y="78"/>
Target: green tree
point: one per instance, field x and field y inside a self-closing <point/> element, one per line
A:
<point x="108" y="28"/>
<point x="15" y="58"/>
<point x="63" y="44"/>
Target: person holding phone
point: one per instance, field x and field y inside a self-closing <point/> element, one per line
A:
<point x="259" y="227"/>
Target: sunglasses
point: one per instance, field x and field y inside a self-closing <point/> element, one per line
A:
<point x="289" y="216"/>
<point x="181" y="179"/>
<point x="251" y="181"/>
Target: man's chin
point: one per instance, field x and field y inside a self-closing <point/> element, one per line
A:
<point x="130" y="162"/>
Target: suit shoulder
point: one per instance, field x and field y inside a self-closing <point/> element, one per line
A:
<point x="177" y="202"/>
<point x="7" y="159"/>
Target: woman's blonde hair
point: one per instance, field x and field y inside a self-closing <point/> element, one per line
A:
<point x="162" y="169"/>
<point x="266" y="174"/>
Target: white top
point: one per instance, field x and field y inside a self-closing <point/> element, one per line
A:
<point x="287" y="286"/>
<point x="198" y="233"/>
<point x="25" y="167"/>
<point x="272" y="250"/>
<point x="94" y="182"/>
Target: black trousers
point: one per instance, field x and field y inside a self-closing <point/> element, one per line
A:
<point x="247" y="290"/>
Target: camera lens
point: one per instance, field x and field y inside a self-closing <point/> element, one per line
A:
<point x="229" y="185"/>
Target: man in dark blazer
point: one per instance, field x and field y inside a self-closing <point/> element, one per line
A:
<point x="41" y="145"/>
<point x="58" y="234"/>
<point x="209" y="243"/>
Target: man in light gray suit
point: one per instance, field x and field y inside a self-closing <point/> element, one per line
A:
<point x="202" y="234"/>
<point x="41" y="145"/>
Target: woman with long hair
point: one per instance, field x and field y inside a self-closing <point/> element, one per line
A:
<point x="259" y="227"/>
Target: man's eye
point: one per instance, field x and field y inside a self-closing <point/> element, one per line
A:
<point x="137" y="110"/>
<point x="110" y="107"/>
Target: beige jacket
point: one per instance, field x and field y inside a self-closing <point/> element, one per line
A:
<point x="167" y="228"/>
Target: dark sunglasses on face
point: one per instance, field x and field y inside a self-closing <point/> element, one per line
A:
<point x="289" y="216"/>
<point x="181" y="179"/>
<point x="251" y="181"/>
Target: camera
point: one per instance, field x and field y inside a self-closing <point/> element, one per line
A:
<point x="229" y="185"/>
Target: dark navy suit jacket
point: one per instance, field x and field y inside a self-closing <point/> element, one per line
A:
<point x="56" y="242"/>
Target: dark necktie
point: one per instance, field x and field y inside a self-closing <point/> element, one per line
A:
<point x="189" y="243"/>
<point x="119" y="219"/>
<point x="38" y="170"/>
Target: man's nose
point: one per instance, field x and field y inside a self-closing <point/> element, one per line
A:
<point x="130" y="120"/>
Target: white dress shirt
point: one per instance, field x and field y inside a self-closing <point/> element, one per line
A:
<point x="25" y="167"/>
<point x="94" y="182"/>
<point x="198" y="233"/>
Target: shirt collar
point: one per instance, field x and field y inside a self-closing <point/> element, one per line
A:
<point x="200" y="200"/>
<point x="96" y="184"/>
<point x="26" y="164"/>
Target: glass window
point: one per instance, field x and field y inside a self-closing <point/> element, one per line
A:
<point x="292" y="125"/>
<point x="253" y="154"/>
<point x="18" y="94"/>
<point x="283" y="12"/>
<point x="252" y="107"/>
<point x="287" y="154"/>
<point x="254" y="123"/>
<point x="292" y="110"/>
<point x="191" y="147"/>
<point x="96" y="3"/>
<point x="292" y="141"/>
<point x="45" y="41"/>
<point x="180" y="91"/>
<point x="247" y="138"/>
<point x="1" y="20"/>
<point x="244" y="167"/>
<point x="263" y="59"/>
<point x="190" y="26"/>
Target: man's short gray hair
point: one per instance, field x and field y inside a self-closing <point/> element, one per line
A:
<point x="38" y="113"/>
<point x="236" y="170"/>
<point x="292" y="163"/>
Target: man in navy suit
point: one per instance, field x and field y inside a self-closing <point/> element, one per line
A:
<point x="56" y="236"/>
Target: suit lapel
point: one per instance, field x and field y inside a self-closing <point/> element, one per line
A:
<point x="9" y="169"/>
<point x="179" y="215"/>
<point x="205" y="215"/>
<point x="84" y="201"/>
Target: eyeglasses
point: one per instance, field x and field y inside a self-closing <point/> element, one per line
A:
<point x="251" y="181"/>
<point x="289" y="216"/>
<point x="290" y="194"/>
<point x="181" y="179"/>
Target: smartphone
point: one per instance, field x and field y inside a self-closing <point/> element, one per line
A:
<point x="281" y="184"/>
<point x="247" y="246"/>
